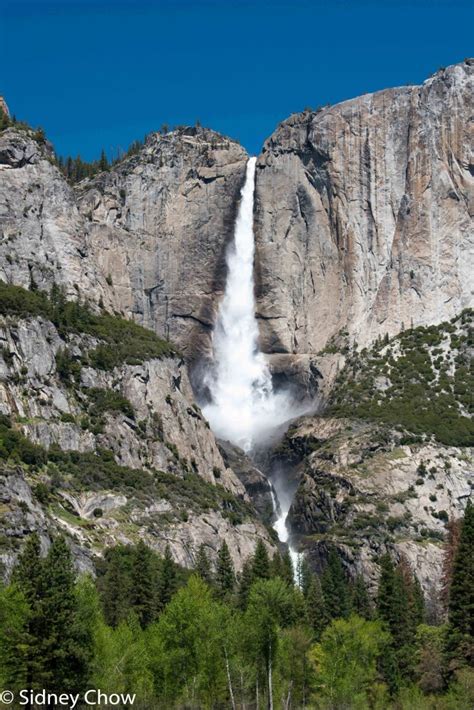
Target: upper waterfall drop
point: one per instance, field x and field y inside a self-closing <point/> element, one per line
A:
<point x="244" y="409"/>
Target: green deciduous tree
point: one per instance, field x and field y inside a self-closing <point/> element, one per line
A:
<point x="272" y="605"/>
<point x="346" y="661"/>
<point x="186" y="647"/>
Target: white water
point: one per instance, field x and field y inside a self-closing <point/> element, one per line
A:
<point x="245" y="409"/>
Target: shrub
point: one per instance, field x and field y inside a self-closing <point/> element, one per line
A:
<point x="107" y="400"/>
<point x="122" y="341"/>
<point x="41" y="493"/>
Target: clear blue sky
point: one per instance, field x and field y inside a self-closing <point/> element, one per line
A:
<point x="103" y="73"/>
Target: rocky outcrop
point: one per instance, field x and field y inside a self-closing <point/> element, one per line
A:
<point x="146" y="239"/>
<point x="158" y="226"/>
<point x="43" y="237"/>
<point x="364" y="216"/>
<point x="255" y="482"/>
<point x="150" y="427"/>
<point x="365" y="492"/>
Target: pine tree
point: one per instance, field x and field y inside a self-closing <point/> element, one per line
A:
<point x="386" y="591"/>
<point x="461" y="599"/>
<point x="303" y="574"/>
<point x="143" y="594"/>
<point x="203" y="565"/>
<point x="287" y="572"/>
<point x="335" y="587"/>
<point x="276" y="565"/>
<point x="400" y="607"/>
<point x="245" y="583"/>
<point x="65" y="645"/>
<point x="103" y="162"/>
<point x="315" y="607"/>
<point x="58" y="653"/>
<point x="28" y="576"/>
<point x="386" y="612"/>
<point x="115" y="585"/>
<point x="360" y="600"/>
<point x="260" y="562"/>
<point x="225" y="574"/>
<point x="168" y="582"/>
<point x="28" y="573"/>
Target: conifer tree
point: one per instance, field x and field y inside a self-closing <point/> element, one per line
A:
<point x="303" y="574"/>
<point x="360" y="600"/>
<point x="335" y="587"/>
<point x="386" y="591"/>
<point x="15" y="641"/>
<point x="115" y="586"/>
<point x="245" y="582"/>
<point x="28" y="573"/>
<point x="103" y="162"/>
<point x="58" y="652"/>
<point x="66" y="652"/>
<point x="143" y="589"/>
<point x="461" y="599"/>
<point x="287" y="570"/>
<point x="203" y="565"/>
<point x="28" y="576"/>
<point x="276" y="565"/>
<point x="225" y="574"/>
<point x="400" y="606"/>
<point x="315" y="606"/>
<point x="260" y="562"/>
<point x="168" y="582"/>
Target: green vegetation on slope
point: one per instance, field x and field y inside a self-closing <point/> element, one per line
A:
<point x="96" y="471"/>
<point x="421" y="380"/>
<point x="121" y="341"/>
<point x="210" y="638"/>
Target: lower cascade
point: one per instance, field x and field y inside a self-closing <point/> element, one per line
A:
<point x="245" y="409"/>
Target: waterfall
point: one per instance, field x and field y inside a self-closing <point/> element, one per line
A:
<point x="245" y="409"/>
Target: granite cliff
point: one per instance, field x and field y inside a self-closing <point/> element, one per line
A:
<point x="363" y="225"/>
<point x="364" y="216"/>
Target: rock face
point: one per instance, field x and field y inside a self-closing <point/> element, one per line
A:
<point x="364" y="216"/>
<point x="363" y="221"/>
<point x="363" y="491"/>
<point x="255" y="482"/>
<point x="154" y="432"/>
<point x="43" y="236"/>
<point x="158" y="227"/>
<point x="147" y="238"/>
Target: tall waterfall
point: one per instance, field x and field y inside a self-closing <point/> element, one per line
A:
<point x="245" y="409"/>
